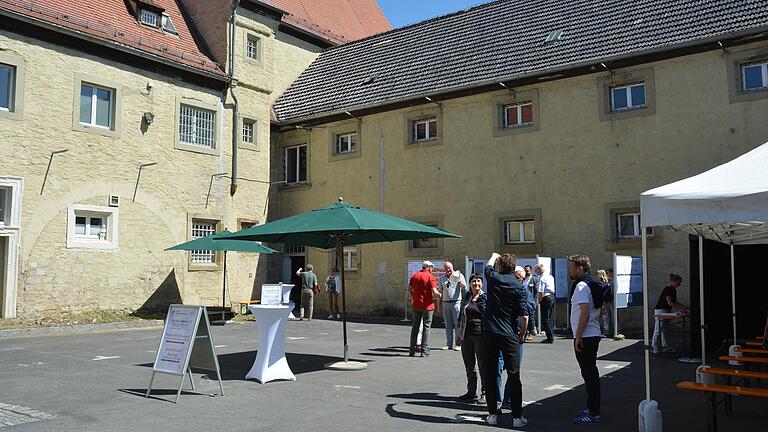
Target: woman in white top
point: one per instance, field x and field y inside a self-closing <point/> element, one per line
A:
<point x="333" y="288"/>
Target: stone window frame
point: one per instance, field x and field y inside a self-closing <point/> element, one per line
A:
<point x="512" y="98"/>
<point x="341" y="129"/>
<point x="248" y="221"/>
<point x="117" y="109"/>
<point x="258" y="59"/>
<point x="414" y="115"/>
<point x="197" y="103"/>
<point x="350" y="272"/>
<point x="612" y="240"/>
<point x="502" y="217"/>
<point x="293" y="140"/>
<point x="438" y="250"/>
<point x="621" y="78"/>
<point x="218" y="260"/>
<point x="14" y="187"/>
<point x="17" y="95"/>
<point x="256" y="144"/>
<point x="734" y="61"/>
<point x="111" y="243"/>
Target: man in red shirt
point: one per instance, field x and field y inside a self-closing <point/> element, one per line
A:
<point x="423" y="288"/>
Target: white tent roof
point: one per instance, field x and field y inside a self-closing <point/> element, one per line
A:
<point x="728" y="203"/>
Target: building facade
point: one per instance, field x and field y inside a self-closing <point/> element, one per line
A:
<point x="121" y="136"/>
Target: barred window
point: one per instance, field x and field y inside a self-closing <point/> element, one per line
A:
<point x="197" y="126"/>
<point x="148" y="18"/>
<point x="203" y="228"/>
<point x="248" y="131"/>
<point x="252" y="47"/>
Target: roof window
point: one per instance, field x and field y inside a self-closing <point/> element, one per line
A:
<point x="168" y="24"/>
<point x="555" y="36"/>
<point x="149" y="18"/>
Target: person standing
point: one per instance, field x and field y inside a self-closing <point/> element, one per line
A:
<point x="545" y="292"/>
<point x="452" y="287"/>
<point x="608" y="306"/>
<point x="423" y="288"/>
<point x="309" y="287"/>
<point x="586" y="334"/>
<point x="333" y="288"/>
<point x="506" y="304"/>
<point x="667" y="302"/>
<point x="470" y="336"/>
<point x="529" y="282"/>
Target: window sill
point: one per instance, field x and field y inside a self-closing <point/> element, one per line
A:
<point x="343" y="156"/>
<point x="249" y="146"/>
<point x="424" y="143"/>
<point x="197" y="149"/>
<point x="287" y="187"/>
<point x="11" y="115"/>
<point x="514" y="130"/>
<point x="622" y="114"/>
<point x="92" y="245"/>
<point x="522" y="248"/>
<point x="742" y="96"/>
<point x="201" y="267"/>
<point x="97" y="130"/>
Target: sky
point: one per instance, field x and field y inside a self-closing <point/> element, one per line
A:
<point x="403" y="12"/>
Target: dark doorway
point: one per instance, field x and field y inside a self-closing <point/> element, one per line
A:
<point x="297" y="262"/>
<point x="751" y="298"/>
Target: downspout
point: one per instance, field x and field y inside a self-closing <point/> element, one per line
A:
<point x="232" y="83"/>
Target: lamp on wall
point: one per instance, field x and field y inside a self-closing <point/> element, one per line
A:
<point x="149" y="117"/>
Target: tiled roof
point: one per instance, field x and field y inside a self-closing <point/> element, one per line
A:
<point x="337" y="20"/>
<point x="112" y="21"/>
<point x="504" y="40"/>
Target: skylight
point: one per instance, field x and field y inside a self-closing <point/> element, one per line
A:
<point x="168" y="24"/>
<point x="555" y="36"/>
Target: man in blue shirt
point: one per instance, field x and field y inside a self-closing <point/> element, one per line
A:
<point x="507" y="303"/>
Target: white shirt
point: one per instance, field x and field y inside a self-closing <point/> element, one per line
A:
<point x="582" y="295"/>
<point x="546" y="285"/>
<point x="451" y="291"/>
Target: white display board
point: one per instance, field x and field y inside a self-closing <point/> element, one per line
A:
<point x="627" y="279"/>
<point x="271" y="294"/>
<point x="176" y="342"/>
<point x="562" y="281"/>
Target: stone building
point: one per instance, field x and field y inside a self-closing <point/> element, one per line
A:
<point x="128" y="126"/>
<point x="526" y="127"/>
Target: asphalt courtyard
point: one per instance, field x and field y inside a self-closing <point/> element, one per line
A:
<point x="96" y="382"/>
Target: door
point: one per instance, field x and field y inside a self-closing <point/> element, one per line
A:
<point x="3" y="272"/>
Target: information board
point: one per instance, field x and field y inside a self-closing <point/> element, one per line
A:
<point x="177" y="338"/>
<point x="628" y="279"/>
<point x="271" y="294"/>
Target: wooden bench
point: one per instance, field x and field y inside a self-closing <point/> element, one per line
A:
<point x="734" y="373"/>
<point x="745" y="359"/>
<point x="758" y="351"/>
<point x="712" y="390"/>
<point x="244" y="305"/>
<point x="754" y="344"/>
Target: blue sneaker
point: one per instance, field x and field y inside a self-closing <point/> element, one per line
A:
<point x="585" y="418"/>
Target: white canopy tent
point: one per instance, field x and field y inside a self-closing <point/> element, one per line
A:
<point x="728" y="204"/>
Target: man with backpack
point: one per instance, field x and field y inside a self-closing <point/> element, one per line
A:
<point x="586" y="302"/>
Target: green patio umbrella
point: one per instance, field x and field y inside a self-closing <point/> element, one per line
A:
<point x="207" y="243"/>
<point x="335" y="226"/>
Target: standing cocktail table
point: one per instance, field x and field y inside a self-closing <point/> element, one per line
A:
<point x="270" y="361"/>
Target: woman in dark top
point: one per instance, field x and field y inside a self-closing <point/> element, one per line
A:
<point x="667" y="302"/>
<point x="471" y="337"/>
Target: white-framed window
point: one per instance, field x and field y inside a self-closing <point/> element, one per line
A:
<point x="252" y="47"/>
<point x="97" y="106"/>
<point x="351" y="258"/>
<point x="167" y="24"/>
<point x="424" y="129"/>
<point x="7" y="87"/>
<point x="627" y="97"/>
<point x="628" y="225"/>
<point x="249" y="131"/>
<point x="149" y="18"/>
<point x="518" y="115"/>
<point x="92" y="227"/>
<point x="295" y="164"/>
<point x="202" y="228"/>
<point x="293" y="248"/>
<point x="345" y="143"/>
<point x="197" y="126"/>
<point x="5" y="205"/>
<point x="519" y="231"/>
<point x="754" y="76"/>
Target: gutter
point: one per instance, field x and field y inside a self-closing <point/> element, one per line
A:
<point x="541" y="74"/>
<point x="110" y="44"/>
<point x="231" y="84"/>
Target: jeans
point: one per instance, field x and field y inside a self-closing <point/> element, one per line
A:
<point x="587" y="359"/>
<point x="547" y="306"/>
<point x="509" y="348"/>
<point x="659" y="331"/>
<point x="451" y="318"/>
<point x="471" y="352"/>
<point x="507" y="399"/>
<point x="419" y="316"/>
<point x="532" y="321"/>
<point x="307" y="303"/>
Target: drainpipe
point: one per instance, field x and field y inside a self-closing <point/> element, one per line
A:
<point x="232" y="83"/>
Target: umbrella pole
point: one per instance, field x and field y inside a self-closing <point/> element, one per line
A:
<point x="646" y="348"/>
<point x="701" y="301"/>
<point x="224" y="288"/>
<point x="340" y="263"/>
<point x="733" y="294"/>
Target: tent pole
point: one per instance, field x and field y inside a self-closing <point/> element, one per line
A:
<point x="224" y="289"/>
<point x="701" y="300"/>
<point x="340" y="263"/>
<point x="733" y="293"/>
<point x="645" y="315"/>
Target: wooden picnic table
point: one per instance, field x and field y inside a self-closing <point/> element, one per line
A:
<point x="712" y="390"/>
<point x="745" y="359"/>
<point x="752" y="351"/>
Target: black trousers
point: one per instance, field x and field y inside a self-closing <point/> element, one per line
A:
<point x="509" y="347"/>
<point x="587" y="359"/>
<point x="547" y="306"/>
<point x="471" y="352"/>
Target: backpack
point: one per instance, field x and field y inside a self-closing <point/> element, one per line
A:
<point x="602" y="292"/>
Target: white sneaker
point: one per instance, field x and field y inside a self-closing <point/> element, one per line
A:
<point x="492" y="420"/>
<point x="519" y="422"/>
<point x="338" y="316"/>
<point x="330" y="316"/>
<point x="445" y="348"/>
<point x="457" y="348"/>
